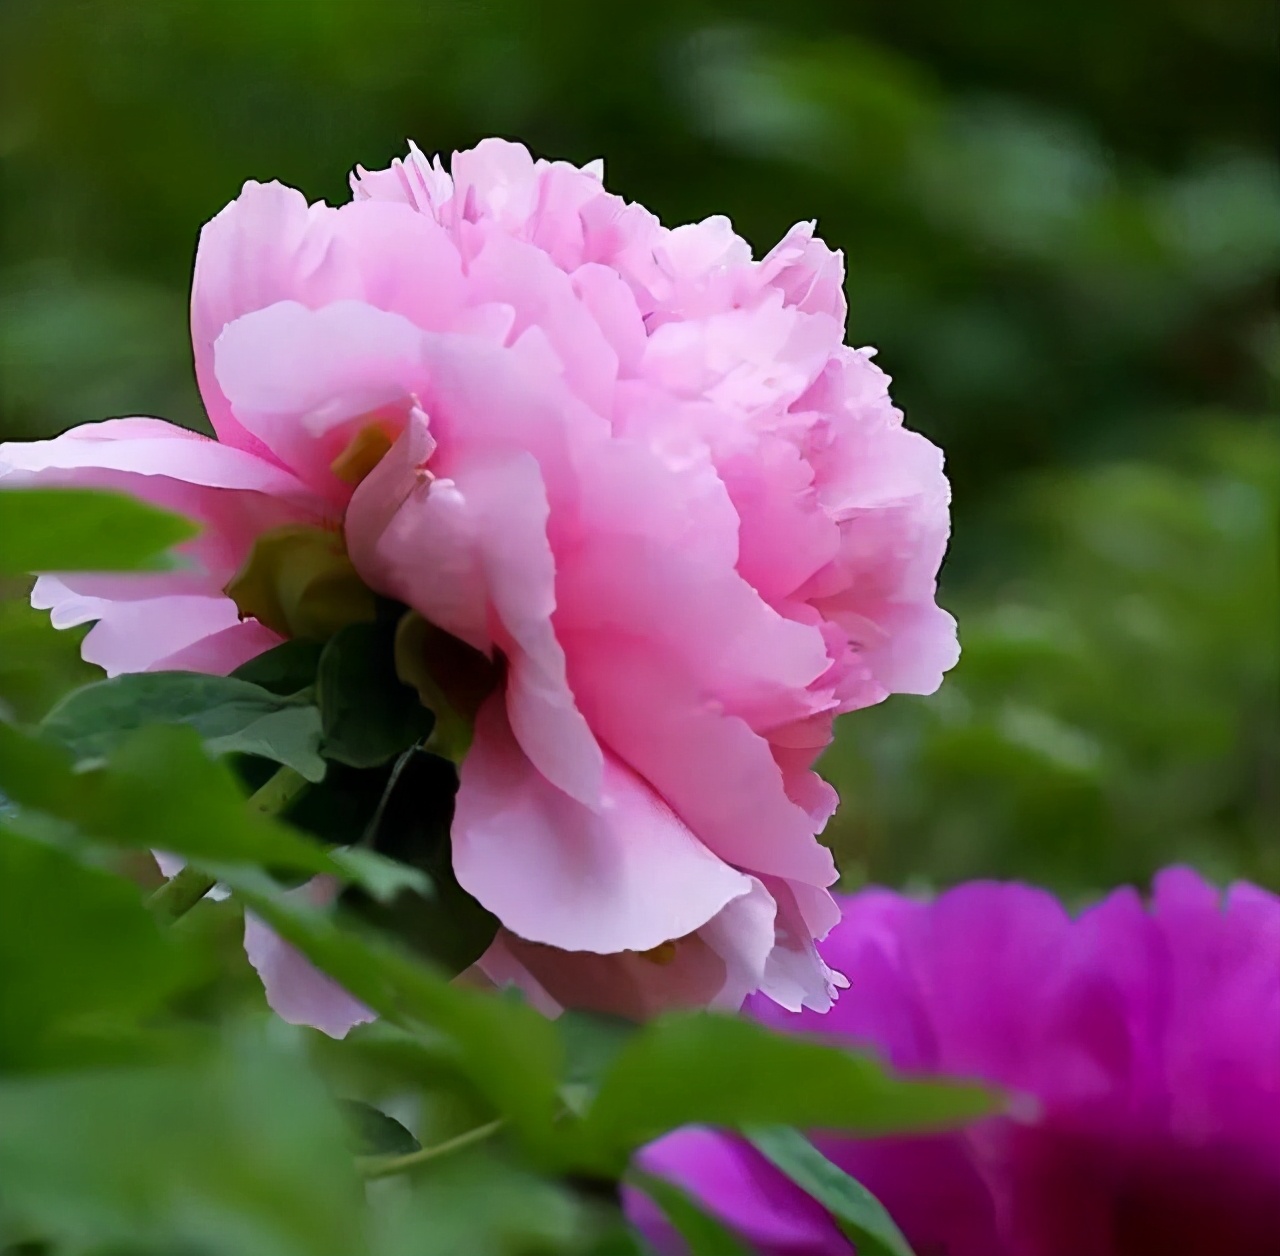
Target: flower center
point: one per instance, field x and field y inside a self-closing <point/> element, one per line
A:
<point x="662" y="954"/>
<point x="364" y="451"/>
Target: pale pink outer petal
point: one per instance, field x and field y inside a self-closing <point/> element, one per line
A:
<point x="626" y="877"/>
<point x="297" y="991"/>
<point x="170" y="619"/>
<point x="505" y="505"/>
<point x="796" y="976"/>
<point x="143" y="447"/>
<point x="470" y="554"/>
<point x="222" y="652"/>
<point x="143" y="636"/>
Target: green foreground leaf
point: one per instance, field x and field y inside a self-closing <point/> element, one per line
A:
<point x="708" y="1069"/>
<point x="82" y="958"/>
<point x="374" y="1133"/>
<point x="239" y="1151"/>
<point x="509" y="1052"/>
<point x="157" y="790"/>
<point x="858" y="1213"/>
<point x="703" y="1233"/>
<point x="83" y="529"/>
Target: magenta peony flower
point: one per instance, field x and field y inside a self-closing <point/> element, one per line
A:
<point x="1149" y="1040"/>
<point x="637" y="466"/>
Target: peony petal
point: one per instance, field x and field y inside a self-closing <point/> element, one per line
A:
<point x="716" y="773"/>
<point x="304" y="382"/>
<point x="626" y="877"/>
<point x="471" y="555"/>
<point x="740" y="1186"/>
<point x="164" y="619"/>
<point x="270" y="246"/>
<point x="298" y="991"/>
<point x="143" y="447"/>
<point x="222" y="652"/>
<point x="626" y="984"/>
<point x="143" y="636"/>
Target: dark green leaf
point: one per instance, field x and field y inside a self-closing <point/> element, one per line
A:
<point x="340" y="809"/>
<point x="374" y="1133"/>
<point x="437" y="918"/>
<point x="702" y="1068"/>
<point x="369" y="715"/>
<point x="82" y="529"/>
<point x="79" y="952"/>
<point x="859" y="1214"/>
<point x="703" y="1233"/>
<point x="158" y="790"/>
<point x="285" y="669"/>
<point x="232" y="717"/>
<point x="592" y="1042"/>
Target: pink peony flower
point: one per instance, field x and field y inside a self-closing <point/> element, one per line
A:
<point x="633" y="463"/>
<point x="1149" y="1039"/>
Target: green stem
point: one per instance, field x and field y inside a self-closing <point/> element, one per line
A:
<point x="181" y="892"/>
<point x="372" y="1167"/>
<point x="278" y="792"/>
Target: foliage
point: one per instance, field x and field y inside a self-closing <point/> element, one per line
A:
<point x="1063" y="230"/>
<point x="1115" y="707"/>
<point x="130" y="1121"/>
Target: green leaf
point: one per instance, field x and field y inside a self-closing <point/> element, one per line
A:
<point x="703" y="1233"/>
<point x="477" y="1204"/>
<point x="338" y="811"/>
<point x="240" y="1151"/>
<point x="383" y="879"/>
<point x="708" y="1069"/>
<point x="232" y="717"/>
<point x="387" y="1057"/>
<point x="374" y="1133"/>
<point x="80" y="954"/>
<point x="369" y="715"/>
<point x="82" y="529"/>
<point x="38" y="662"/>
<point x="511" y="1053"/>
<point x="437" y="917"/>
<point x="157" y="790"/>
<point x="859" y="1214"/>
<point x="285" y="669"/>
<point x="592" y="1043"/>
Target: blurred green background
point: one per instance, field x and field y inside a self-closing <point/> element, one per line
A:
<point x="1062" y="226"/>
